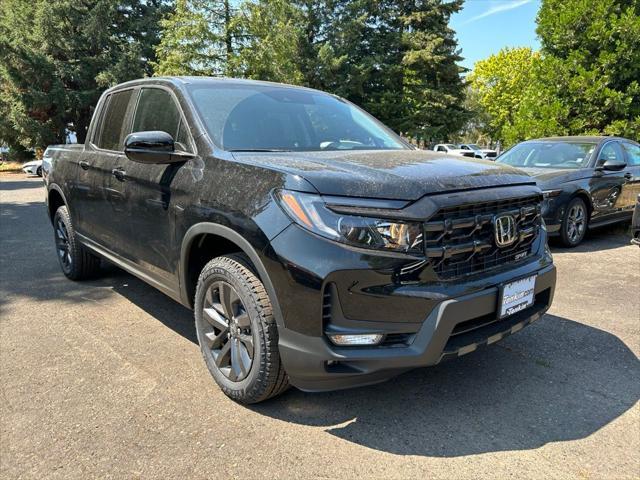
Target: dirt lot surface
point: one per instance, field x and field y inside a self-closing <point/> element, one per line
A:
<point x="105" y="379"/>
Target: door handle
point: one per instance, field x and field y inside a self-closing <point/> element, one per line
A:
<point x="84" y="164"/>
<point x="119" y="173"/>
<point x="628" y="176"/>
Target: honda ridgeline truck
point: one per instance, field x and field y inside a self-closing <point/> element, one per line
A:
<point x="316" y="247"/>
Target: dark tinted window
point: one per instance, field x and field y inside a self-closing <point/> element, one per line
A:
<point x="265" y="117"/>
<point x="633" y="153"/>
<point x="157" y="110"/>
<point x="113" y="124"/>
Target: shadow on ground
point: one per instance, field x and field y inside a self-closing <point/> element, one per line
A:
<point x="558" y="380"/>
<point x="598" y="239"/>
<point x="10" y="184"/>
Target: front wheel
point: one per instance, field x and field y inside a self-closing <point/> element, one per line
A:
<point x="574" y="223"/>
<point x="237" y="332"/>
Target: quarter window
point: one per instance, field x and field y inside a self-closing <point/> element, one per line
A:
<point x="158" y="111"/>
<point x="114" y="127"/>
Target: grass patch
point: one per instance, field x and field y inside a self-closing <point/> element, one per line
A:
<point x="10" y="167"/>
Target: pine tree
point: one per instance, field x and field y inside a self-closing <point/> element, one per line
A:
<point x="269" y="34"/>
<point x="56" y="58"/>
<point x="397" y="59"/>
<point x="196" y="39"/>
<point x="433" y="88"/>
<point x="362" y="56"/>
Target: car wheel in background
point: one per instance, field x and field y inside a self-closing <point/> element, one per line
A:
<point x="574" y="223"/>
<point x="237" y="332"/>
<point x="76" y="261"/>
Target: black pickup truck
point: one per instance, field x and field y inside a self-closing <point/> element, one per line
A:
<point x="316" y="247"/>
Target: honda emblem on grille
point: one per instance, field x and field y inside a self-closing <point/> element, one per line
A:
<point x="505" y="229"/>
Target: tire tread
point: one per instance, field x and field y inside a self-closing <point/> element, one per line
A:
<point x="272" y="378"/>
<point x="84" y="264"/>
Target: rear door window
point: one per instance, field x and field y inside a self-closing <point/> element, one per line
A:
<point x="114" y="124"/>
<point x="158" y="111"/>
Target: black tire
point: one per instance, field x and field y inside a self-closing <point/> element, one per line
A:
<point x="574" y="223"/>
<point x="76" y="261"/>
<point x="233" y="313"/>
<point x="39" y="171"/>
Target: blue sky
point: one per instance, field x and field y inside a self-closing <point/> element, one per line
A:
<point x="483" y="27"/>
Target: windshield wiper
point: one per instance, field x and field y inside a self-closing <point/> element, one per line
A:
<point x="259" y="150"/>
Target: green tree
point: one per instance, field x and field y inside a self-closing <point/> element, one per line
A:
<point x="269" y="34"/>
<point x="433" y="90"/>
<point x="56" y="58"/>
<point x="397" y="59"/>
<point x="585" y="80"/>
<point x="360" y="56"/>
<point x="498" y="83"/>
<point x="196" y="39"/>
<point x="592" y="55"/>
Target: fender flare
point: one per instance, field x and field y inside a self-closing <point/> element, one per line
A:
<point x="243" y="244"/>
<point x="56" y="187"/>
<point x="584" y="194"/>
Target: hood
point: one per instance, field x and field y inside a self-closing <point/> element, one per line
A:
<point x="549" y="176"/>
<point x="389" y="174"/>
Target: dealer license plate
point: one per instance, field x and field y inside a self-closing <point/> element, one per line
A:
<point x="516" y="296"/>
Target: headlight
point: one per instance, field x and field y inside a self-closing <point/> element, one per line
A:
<point x="311" y="212"/>
<point x="551" y="193"/>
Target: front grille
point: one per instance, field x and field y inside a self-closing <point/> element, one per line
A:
<point x="461" y="240"/>
<point x="327" y="302"/>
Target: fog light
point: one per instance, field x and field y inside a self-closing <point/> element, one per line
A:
<point x="353" y="340"/>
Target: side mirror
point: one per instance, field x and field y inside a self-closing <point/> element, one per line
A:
<point x="612" y="165"/>
<point x="153" y="147"/>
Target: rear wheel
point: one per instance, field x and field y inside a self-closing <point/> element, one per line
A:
<point x="236" y="330"/>
<point x="574" y="223"/>
<point x="76" y="261"/>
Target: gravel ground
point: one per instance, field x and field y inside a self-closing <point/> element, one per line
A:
<point x="105" y="379"/>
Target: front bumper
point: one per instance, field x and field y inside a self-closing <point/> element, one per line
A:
<point x="433" y="319"/>
<point x="313" y="364"/>
<point x="553" y="212"/>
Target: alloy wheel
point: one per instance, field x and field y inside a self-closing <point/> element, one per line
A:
<point x="576" y="223"/>
<point x="228" y="336"/>
<point x="62" y="244"/>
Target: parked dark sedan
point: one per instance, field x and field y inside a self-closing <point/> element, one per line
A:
<point x="587" y="181"/>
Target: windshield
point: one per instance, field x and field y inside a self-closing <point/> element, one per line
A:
<point x="273" y="118"/>
<point x="549" y="155"/>
<point x="473" y="146"/>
